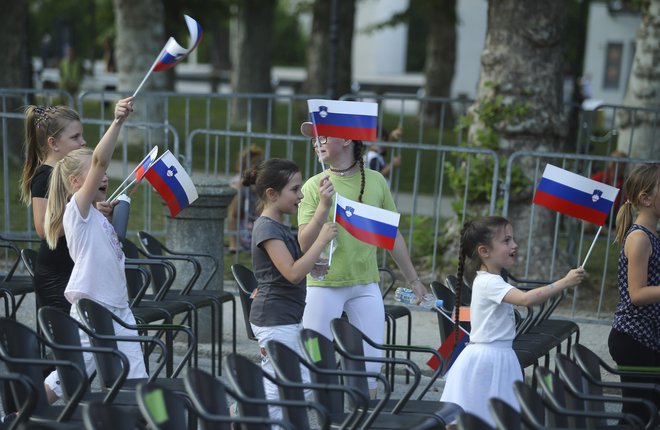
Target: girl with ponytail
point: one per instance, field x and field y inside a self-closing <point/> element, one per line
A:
<point x="351" y="284"/>
<point x="79" y="181"/>
<point x="488" y="366"/>
<point x="635" y="336"/>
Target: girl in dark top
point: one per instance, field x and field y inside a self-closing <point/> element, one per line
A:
<point x="51" y="132"/>
<point x="635" y="336"/>
<point x="278" y="264"/>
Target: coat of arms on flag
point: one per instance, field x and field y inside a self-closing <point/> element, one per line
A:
<point x="369" y="224"/>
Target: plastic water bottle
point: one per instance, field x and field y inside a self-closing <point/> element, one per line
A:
<point x="120" y="215"/>
<point x="407" y="297"/>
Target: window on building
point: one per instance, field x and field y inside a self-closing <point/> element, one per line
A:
<point x="613" y="60"/>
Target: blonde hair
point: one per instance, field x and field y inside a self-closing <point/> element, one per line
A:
<point x="60" y="190"/>
<point x="644" y="179"/>
<point x="41" y="122"/>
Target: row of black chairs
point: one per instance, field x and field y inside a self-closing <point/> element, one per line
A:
<point x="155" y="292"/>
<point x="573" y="397"/>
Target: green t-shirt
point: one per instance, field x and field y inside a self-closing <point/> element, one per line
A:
<point x="353" y="261"/>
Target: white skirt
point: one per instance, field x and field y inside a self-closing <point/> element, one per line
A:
<point x="482" y="371"/>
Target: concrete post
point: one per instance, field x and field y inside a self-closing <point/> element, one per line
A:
<point x="200" y="229"/>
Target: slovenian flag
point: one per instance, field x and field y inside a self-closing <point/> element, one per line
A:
<point x="171" y="181"/>
<point x="369" y="224"/>
<point x="575" y="195"/>
<point x="347" y="120"/>
<point x="145" y="164"/>
<point x="173" y="53"/>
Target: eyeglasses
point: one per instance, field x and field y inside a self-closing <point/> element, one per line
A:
<point x="322" y="140"/>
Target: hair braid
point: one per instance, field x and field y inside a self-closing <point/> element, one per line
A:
<point x="459" y="277"/>
<point x="358" y="148"/>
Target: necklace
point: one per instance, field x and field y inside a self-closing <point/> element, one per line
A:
<point x="342" y="172"/>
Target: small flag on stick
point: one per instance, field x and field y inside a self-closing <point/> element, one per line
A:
<point x="575" y="195"/>
<point x="172" y="182"/>
<point x="173" y="53"/>
<point x="372" y="225"/>
<point x="139" y="172"/>
<point x="348" y="120"/>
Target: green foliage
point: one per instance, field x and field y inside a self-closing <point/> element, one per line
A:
<point x="289" y="42"/>
<point x="493" y="112"/>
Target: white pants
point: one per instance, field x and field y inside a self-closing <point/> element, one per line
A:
<point x="363" y="305"/>
<point x="288" y="335"/>
<point x="132" y="350"/>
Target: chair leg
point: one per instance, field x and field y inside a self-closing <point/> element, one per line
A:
<point x="390" y="324"/>
<point x="409" y="343"/>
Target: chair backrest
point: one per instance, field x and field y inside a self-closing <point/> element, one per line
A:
<point x="98" y="319"/>
<point x="589" y="362"/>
<point x="247" y="283"/>
<point x="208" y="395"/>
<point x="468" y="421"/>
<point x="61" y="329"/>
<point x="558" y="397"/>
<point x="26" y="409"/>
<point x="154" y="248"/>
<point x="163" y="409"/>
<point x="466" y="291"/>
<point x="18" y="341"/>
<point x="505" y="417"/>
<point x="29" y="257"/>
<point x="532" y="407"/>
<point x="448" y="298"/>
<point x="138" y="281"/>
<point x="319" y="351"/>
<point x="387" y="280"/>
<point x="107" y="416"/>
<point x="350" y="339"/>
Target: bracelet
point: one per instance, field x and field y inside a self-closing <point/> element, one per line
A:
<point x="413" y="281"/>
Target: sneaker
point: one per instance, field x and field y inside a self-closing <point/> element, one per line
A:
<point x="5" y="422"/>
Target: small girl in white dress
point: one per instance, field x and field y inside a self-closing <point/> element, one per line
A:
<point x="488" y="366"/>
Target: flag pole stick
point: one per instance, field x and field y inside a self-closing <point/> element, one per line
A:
<point x="151" y="69"/>
<point x="591" y="247"/>
<point x="332" y="242"/>
<point x="117" y="193"/>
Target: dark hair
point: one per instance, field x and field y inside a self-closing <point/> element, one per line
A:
<point x="274" y="173"/>
<point x="644" y="179"/>
<point x="358" y="149"/>
<point x="473" y="234"/>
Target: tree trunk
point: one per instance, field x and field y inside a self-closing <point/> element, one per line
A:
<point x="322" y="77"/>
<point x="251" y="72"/>
<point x="440" y="58"/>
<point x="643" y="90"/>
<point x="140" y="38"/>
<point x="318" y="50"/>
<point x="522" y="64"/>
<point x="15" y="69"/>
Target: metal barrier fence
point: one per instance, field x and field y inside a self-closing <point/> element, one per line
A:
<point x="571" y="238"/>
<point x="422" y="187"/>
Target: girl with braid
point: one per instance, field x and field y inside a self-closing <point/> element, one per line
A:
<point x="351" y="284"/>
<point x="488" y="366"/>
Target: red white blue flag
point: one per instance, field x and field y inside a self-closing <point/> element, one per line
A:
<point x="171" y="181"/>
<point x="575" y="195"/>
<point x="369" y="224"/>
<point x="145" y="164"/>
<point x="344" y="119"/>
<point x="173" y="53"/>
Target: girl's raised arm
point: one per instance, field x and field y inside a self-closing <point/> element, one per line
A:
<point x="101" y="157"/>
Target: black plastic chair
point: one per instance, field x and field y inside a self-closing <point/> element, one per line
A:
<point x="200" y="298"/>
<point x="164" y="409"/>
<point x="247" y="283"/>
<point x="18" y="285"/>
<point x="99" y="320"/>
<point x="320" y="351"/>
<point x="581" y="385"/>
<point x="287" y="364"/>
<point x="106" y="416"/>
<point x="504" y="415"/>
<point x="209" y="398"/>
<point x="247" y="380"/>
<point x="20" y="350"/>
<point x="468" y="421"/>
<point x="393" y="313"/>
<point x="567" y="408"/>
<point x="140" y="298"/>
<point x="25" y="409"/>
<point x="350" y="340"/>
